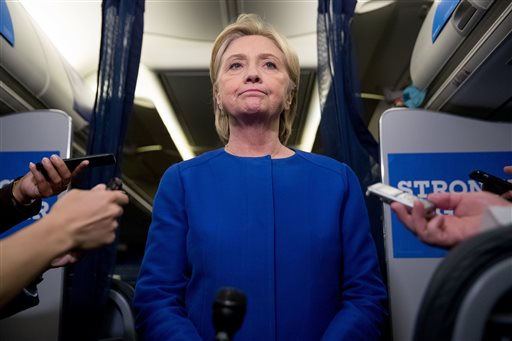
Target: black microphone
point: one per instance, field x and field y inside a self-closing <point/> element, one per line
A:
<point x="228" y="313"/>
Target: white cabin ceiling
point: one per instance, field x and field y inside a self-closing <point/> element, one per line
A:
<point x="178" y="37"/>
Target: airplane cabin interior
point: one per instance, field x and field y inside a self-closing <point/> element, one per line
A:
<point x="463" y="70"/>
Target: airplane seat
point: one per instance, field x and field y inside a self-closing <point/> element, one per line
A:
<point x="469" y="297"/>
<point x="118" y="322"/>
<point x="27" y="136"/>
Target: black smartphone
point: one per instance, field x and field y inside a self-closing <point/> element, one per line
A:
<point x="94" y="161"/>
<point x="115" y="184"/>
<point x="491" y="183"/>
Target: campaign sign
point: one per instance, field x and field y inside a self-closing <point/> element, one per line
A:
<point x="15" y="164"/>
<point x="424" y="173"/>
<point x="6" y="28"/>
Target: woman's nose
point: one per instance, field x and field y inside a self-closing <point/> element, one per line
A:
<point x="252" y="75"/>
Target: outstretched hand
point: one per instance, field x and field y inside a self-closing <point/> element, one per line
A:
<point x="448" y="230"/>
<point x="89" y="217"/>
<point x="34" y="185"/>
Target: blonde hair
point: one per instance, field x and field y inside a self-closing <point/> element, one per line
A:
<point x="245" y="25"/>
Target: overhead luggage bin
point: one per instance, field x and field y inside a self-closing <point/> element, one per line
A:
<point x="462" y="58"/>
<point x="33" y="74"/>
<point x="446" y="26"/>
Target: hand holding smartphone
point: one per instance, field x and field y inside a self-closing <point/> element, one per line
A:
<point x="389" y="194"/>
<point x="94" y="161"/>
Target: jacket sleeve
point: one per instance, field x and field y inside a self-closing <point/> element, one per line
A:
<point x="26" y="299"/>
<point x="362" y="313"/>
<point x="159" y="299"/>
<point x="12" y="214"/>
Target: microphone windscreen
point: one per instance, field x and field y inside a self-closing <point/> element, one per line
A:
<point x="229" y="309"/>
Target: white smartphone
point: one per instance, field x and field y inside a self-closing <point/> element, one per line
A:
<point x="389" y="194"/>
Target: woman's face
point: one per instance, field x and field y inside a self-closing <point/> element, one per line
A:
<point x="253" y="78"/>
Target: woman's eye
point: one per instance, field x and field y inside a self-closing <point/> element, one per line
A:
<point x="235" y="66"/>
<point x="270" y="65"/>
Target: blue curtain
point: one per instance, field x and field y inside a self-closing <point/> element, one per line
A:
<point x="88" y="282"/>
<point x="345" y="136"/>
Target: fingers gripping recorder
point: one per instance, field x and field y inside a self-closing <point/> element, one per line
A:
<point x="115" y="184"/>
<point x="389" y="194"/>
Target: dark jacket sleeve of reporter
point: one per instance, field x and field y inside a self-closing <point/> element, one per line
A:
<point x="11" y="213"/>
<point x="28" y="298"/>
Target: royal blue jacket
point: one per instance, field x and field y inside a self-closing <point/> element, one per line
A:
<point x="292" y="234"/>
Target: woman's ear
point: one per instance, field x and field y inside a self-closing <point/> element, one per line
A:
<point x="288" y="101"/>
<point x="289" y="96"/>
<point x="218" y="98"/>
<point x="219" y="102"/>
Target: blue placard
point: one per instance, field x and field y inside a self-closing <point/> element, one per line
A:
<point x="15" y="164"/>
<point x="421" y="174"/>
<point x="6" y="29"/>
<point x="443" y="13"/>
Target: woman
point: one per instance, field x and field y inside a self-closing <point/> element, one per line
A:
<point x="288" y="228"/>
